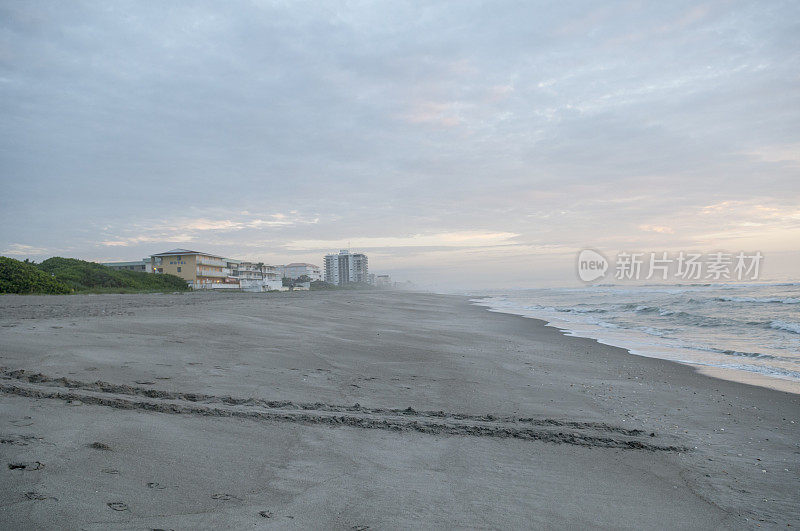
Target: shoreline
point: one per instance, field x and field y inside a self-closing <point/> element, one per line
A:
<point x="377" y="409"/>
<point x="723" y="373"/>
<point x="713" y="374"/>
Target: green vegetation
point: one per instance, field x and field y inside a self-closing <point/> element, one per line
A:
<point x="68" y="275"/>
<point x="25" y="277"/>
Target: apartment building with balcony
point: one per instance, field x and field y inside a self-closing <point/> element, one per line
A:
<point x="271" y="273"/>
<point x="346" y="267"/>
<point x="257" y="277"/>
<point x="200" y="270"/>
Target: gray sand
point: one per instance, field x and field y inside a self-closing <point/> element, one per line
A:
<point x="350" y="409"/>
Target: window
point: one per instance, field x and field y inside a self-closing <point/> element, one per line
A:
<point x="179" y="269"/>
<point x="178" y="257"/>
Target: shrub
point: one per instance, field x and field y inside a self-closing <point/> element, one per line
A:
<point x="89" y="276"/>
<point x="23" y="277"/>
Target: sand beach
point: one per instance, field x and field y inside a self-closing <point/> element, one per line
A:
<point x="357" y="410"/>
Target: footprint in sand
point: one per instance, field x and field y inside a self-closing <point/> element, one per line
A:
<point x="19" y="440"/>
<point x="28" y="465"/>
<point x="118" y="506"/>
<point x="224" y="497"/>
<point x="38" y="496"/>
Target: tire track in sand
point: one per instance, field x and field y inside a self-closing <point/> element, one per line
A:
<point x="120" y="396"/>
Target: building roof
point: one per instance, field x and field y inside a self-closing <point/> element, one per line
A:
<point x="137" y="262"/>
<point x="186" y="251"/>
<point x="300" y="264"/>
<point x="346" y="252"/>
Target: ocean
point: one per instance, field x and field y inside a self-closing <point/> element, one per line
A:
<point x="752" y="328"/>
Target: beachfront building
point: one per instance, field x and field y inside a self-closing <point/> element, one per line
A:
<point x="231" y="271"/>
<point x="271" y="273"/>
<point x="142" y="265"/>
<point x="257" y="277"/>
<point x="299" y="269"/>
<point x="346" y="267"/>
<point x="200" y="270"/>
<point x="209" y="271"/>
<point x="248" y="271"/>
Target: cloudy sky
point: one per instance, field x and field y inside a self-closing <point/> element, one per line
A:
<point x="457" y="144"/>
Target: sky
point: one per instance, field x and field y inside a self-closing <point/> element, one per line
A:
<point x="458" y="144"/>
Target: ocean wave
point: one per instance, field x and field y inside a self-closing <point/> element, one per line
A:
<point x="630" y="290"/>
<point x="740" y="354"/>
<point x="760" y="369"/>
<point x="576" y="309"/>
<point x="760" y="300"/>
<point x="704" y="321"/>
<point x="643" y="308"/>
<point x="709" y="321"/>
<point x="783" y="325"/>
<point x="652" y="331"/>
<point x="753" y="330"/>
<point x="640" y="308"/>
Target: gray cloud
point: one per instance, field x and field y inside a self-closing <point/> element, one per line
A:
<point x="577" y="124"/>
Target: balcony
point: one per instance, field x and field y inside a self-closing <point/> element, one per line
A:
<point x="216" y="274"/>
<point x="211" y="261"/>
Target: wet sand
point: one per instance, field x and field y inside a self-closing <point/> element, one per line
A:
<point x="351" y="410"/>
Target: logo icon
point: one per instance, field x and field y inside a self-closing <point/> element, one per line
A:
<point x="591" y="265"/>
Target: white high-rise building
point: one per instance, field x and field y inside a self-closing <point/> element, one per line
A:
<point x="346" y="267"/>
